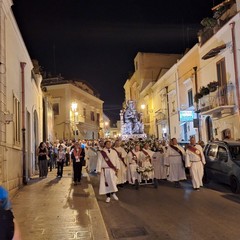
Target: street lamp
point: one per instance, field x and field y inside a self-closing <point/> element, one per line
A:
<point x="143" y="106"/>
<point x="75" y="113"/>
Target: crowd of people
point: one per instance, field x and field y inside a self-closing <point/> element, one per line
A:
<point x="120" y="162"/>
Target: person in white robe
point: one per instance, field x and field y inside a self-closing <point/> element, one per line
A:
<point x="147" y="161"/>
<point x="160" y="169"/>
<point x="175" y="156"/>
<point x="92" y="157"/>
<point x="195" y="161"/>
<point x="122" y="154"/>
<point x="134" y="158"/>
<point x="108" y="166"/>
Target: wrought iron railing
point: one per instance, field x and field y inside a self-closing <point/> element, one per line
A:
<point x="224" y="96"/>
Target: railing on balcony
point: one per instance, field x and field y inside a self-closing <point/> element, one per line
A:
<point x="224" y="96"/>
<point x="207" y="33"/>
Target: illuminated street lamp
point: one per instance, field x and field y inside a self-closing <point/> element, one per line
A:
<point x="143" y="106"/>
<point x="75" y="113"/>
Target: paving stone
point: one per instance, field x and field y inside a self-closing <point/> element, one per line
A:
<point x="52" y="208"/>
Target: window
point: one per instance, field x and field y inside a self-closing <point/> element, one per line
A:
<point x="16" y="111"/>
<point x="212" y="152"/>
<point x="55" y="108"/>
<point x="98" y="118"/>
<point x="190" y="98"/>
<point x="84" y="112"/>
<point x="92" y="116"/>
<point x="222" y="153"/>
<point x="221" y="72"/>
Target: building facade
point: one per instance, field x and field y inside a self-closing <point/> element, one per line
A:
<point x="148" y="68"/>
<point x="199" y="95"/>
<point x="77" y="109"/>
<point x="20" y="104"/>
<point x="219" y="63"/>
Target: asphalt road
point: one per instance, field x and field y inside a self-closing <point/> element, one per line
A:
<point x="168" y="213"/>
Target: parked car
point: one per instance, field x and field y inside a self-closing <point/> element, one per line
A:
<point x="223" y="163"/>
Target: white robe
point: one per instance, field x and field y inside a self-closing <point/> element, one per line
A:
<point x="132" y="173"/>
<point x="122" y="173"/>
<point x="107" y="174"/>
<point x="92" y="157"/>
<point x="160" y="170"/>
<point x="195" y="163"/>
<point x="147" y="162"/>
<point x="174" y="161"/>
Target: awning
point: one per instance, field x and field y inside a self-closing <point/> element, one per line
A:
<point x="214" y="52"/>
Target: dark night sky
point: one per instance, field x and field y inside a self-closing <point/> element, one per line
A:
<point x="96" y="41"/>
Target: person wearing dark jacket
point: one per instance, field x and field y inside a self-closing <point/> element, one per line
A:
<point x="9" y="229"/>
<point x="77" y="157"/>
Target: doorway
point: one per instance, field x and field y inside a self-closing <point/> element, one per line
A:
<point x="209" y="128"/>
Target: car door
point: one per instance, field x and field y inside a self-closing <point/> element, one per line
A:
<point x="213" y="165"/>
<point x="224" y="159"/>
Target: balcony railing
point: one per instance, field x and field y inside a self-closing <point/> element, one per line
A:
<point x="222" y="98"/>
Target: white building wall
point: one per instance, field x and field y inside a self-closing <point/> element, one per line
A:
<point x="15" y="52"/>
<point x="208" y="73"/>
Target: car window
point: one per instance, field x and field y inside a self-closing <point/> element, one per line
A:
<point x="235" y="152"/>
<point x="222" y="153"/>
<point x="212" y="151"/>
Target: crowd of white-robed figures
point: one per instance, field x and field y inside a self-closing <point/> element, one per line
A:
<point x="142" y="164"/>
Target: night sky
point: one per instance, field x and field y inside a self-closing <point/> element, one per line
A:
<point x="97" y="41"/>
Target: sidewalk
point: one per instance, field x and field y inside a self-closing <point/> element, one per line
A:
<point x="55" y="209"/>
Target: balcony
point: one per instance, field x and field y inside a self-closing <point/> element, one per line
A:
<point x="223" y="12"/>
<point x="219" y="103"/>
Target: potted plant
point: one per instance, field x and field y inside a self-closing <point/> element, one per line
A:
<point x="204" y="91"/>
<point x="197" y="97"/>
<point x="212" y="86"/>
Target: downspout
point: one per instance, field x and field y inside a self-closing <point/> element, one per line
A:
<point x="234" y="50"/>
<point x="169" y="127"/>
<point x="197" y="105"/>
<point x="22" y="65"/>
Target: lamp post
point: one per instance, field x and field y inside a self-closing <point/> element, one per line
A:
<point x="74" y="110"/>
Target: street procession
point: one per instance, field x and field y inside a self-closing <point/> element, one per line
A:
<point x="130" y="159"/>
<point x="119" y="120"/>
<point x="132" y="162"/>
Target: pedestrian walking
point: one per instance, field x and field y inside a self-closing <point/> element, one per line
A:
<point x="147" y="161"/>
<point x="50" y="155"/>
<point x="108" y="166"/>
<point x="42" y="154"/>
<point x="9" y="229"/>
<point x="195" y="161"/>
<point x="122" y="154"/>
<point x="60" y="161"/>
<point x="92" y="157"/>
<point x="134" y="159"/>
<point x="160" y="170"/>
<point x="77" y="156"/>
<point x="175" y="157"/>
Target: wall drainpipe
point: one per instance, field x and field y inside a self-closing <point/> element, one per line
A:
<point x="22" y="65"/>
<point x="235" y="66"/>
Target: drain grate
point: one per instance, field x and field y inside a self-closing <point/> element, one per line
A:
<point x="128" y="232"/>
